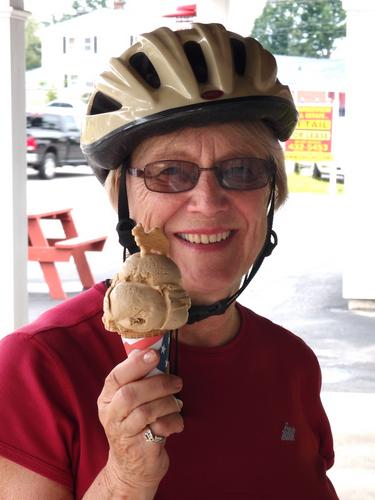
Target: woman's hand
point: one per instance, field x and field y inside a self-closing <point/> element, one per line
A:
<point x="127" y="405"/>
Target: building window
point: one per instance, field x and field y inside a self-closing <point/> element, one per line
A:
<point x="69" y="44"/>
<point x="88" y="44"/>
<point x="73" y="79"/>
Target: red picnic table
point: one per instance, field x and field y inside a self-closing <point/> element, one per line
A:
<point x="48" y="251"/>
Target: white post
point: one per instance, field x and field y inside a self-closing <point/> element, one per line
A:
<point x="13" y="249"/>
<point x="335" y="144"/>
<point x="359" y="250"/>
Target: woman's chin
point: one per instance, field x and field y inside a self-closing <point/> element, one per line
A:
<point x="208" y="295"/>
<point x="209" y="281"/>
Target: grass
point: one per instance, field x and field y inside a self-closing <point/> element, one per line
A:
<point x="298" y="183"/>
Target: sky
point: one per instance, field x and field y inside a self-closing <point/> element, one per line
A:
<point x="43" y="10"/>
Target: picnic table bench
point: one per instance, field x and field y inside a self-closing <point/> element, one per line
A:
<point x="47" y="251"/>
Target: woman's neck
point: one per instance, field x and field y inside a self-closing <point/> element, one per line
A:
<point x="213" y="331"/>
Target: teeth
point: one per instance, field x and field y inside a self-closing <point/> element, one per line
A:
<point x="205" y="239"/>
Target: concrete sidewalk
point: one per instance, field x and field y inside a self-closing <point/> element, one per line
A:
<point x="352" y="419"/>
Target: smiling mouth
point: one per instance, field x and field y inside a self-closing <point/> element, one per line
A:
<point x="204" y="239"/>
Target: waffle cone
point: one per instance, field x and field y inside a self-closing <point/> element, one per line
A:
<point x="141" y="335"/>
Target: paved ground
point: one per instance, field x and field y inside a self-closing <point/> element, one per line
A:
<point x="299" y="287"/>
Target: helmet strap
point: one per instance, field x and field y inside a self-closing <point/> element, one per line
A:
<point x="125" y="223"/>
<point x="197" y="313"/>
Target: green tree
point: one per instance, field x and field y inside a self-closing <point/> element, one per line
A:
<point x="51" y="94"/>
<point x="87" y="6"/>
<point x="81" y="7"/>
<point x="96" y="4"/>
<point x="32" y="44"/>
<point x="300" y="27"/>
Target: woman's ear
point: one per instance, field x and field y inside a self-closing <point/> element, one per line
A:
<point x="111" y="185"/>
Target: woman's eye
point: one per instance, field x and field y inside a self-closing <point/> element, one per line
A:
<point x="170" y="171"/>
<point x="241" y="172"/>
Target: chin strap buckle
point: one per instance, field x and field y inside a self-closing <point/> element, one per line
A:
<point x="197" y="313"/>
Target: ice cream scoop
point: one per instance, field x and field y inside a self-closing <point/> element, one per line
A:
<point x="146" y="298"/>
<point x="146" y="295"/>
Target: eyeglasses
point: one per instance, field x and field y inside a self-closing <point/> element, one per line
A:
<point x="177" y="176"/>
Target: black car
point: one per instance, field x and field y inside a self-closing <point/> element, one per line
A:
<point x="53" y="140"/>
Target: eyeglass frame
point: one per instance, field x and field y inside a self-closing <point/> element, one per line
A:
<point x="269" y="162"/>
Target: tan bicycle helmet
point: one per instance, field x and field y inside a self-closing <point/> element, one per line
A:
<point x="170" y="79"/>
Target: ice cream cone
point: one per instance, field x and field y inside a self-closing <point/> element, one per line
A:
<point x="159" y="343"/>
<point x="146" y="300"/>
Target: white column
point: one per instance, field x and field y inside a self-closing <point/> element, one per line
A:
<point x="359" y="250"/>
<point x="13" y="234"/>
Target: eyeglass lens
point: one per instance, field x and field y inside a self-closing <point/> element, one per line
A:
<point x="174" y="176"/>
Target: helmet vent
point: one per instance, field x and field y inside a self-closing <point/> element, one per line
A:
<point x="103" y="104"/>
<point x="197" y="61"/>
<point x="239" y="55"/>
<point x="144" y="67"/>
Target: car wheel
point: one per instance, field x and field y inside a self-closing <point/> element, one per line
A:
<point x="47" y="169"/>
<point x="316" y="172"/>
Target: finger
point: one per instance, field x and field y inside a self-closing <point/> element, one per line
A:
<point x="135" y="367"/>
<point x="170" y="424"/>
<point x="132" y="395"/>
<point x="146" y="414"/>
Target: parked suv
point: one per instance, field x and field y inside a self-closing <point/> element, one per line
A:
<point x="53" y="140"/>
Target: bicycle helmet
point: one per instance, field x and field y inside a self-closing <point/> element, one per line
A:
<point x="178" y="78"/>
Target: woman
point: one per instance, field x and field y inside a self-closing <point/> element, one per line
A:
<point x="183" y="129"/>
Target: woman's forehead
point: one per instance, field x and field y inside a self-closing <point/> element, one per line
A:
<point x="242" y="138"/>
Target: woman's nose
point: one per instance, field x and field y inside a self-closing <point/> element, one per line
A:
<point x="208" y="196"/>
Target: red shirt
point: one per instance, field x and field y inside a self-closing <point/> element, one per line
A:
<point x="254" y="424"/>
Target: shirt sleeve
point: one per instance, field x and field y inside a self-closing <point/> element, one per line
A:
<point x="36" y="426"/>
<point x="317" y="414"/>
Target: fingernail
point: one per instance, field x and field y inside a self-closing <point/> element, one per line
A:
<point x="149" y="356"/>
<point x="179" y="403"/>
<point x="133" y="352"/>
<point x="177" y="382"/>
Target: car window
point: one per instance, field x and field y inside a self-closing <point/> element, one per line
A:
<point x="51" y="122"/>
<point x="70" y="123"/>
<point x="34" y="121"/>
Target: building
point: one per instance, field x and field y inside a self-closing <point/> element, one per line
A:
<point x="73" y="50"/>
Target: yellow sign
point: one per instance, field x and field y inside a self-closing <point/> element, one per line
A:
<point x="313" y="135"/>
<point x="312" y="138"/>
